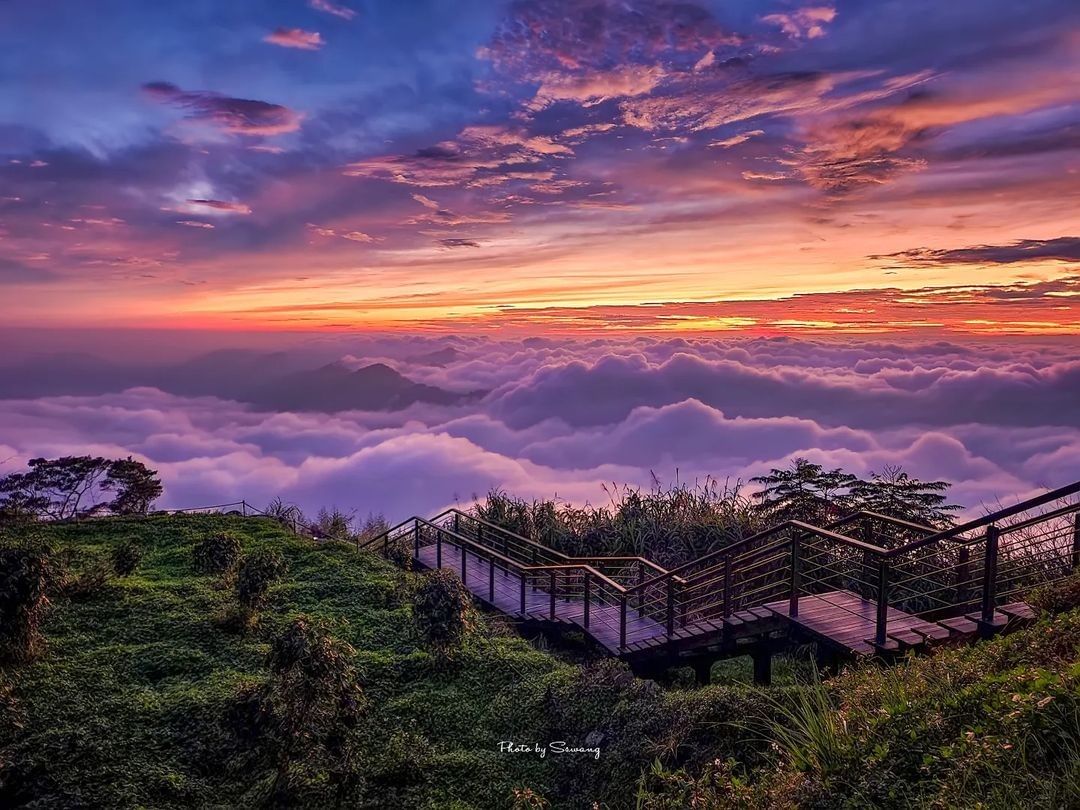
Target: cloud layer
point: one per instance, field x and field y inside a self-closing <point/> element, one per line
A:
<point x="999" y="421"/>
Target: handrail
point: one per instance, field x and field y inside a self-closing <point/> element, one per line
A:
<point x="514" y="563"/>
<point x="549" y="549"/>
<point x="993" y="517"/>
<point x="866" y="513"/>
<point x="454" y="511"/>
<point x="787" y="524"/>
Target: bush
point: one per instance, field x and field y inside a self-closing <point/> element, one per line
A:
<point x="1058" y="597"/>
<point x="442" y="610"/>
<point x="315" y="703"/>
<point x="89" y="583"/>
<point x="24" y="581"/>
<point x="217" y="554"/>
<point x="256" y="574"/>
<point x="126" y="557"/>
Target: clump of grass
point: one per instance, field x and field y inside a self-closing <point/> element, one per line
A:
<point x="1057" y="597"/>
<point x="809" y="731"/>
<point x="668" y="524"/>
<point x="217" y="554"/>
<point x="442" y="611"/>
<point x="126" y="557"/>
<point x="24" y="582"/>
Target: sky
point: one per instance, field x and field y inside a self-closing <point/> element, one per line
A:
<point x="625" y="240"/>
<point x="541" y="167"/>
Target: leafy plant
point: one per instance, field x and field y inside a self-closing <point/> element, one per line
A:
<point x="1057" y="597"/>
<point x="217" y="554"/>
<point x="256" y="574"/>
<point x="442" y="610"/>
<point x="24" y="582"/>
<point x="315" y="702"/>
<point x="126" y="557"/>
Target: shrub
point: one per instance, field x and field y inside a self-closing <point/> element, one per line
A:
<point x="442" y="610"/>
<point x="256" y="574"/>
<point x="87" y="584"/>
<point x="1057" y="597"/>
<point x="126" y="557"/>
<point x="527" y="799"/>
<point x="217" y="554"/>
<point x="315" y="703"/>
<point x="24" y="580"/>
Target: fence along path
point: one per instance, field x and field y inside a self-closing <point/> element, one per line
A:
<point x="868" y="584"/>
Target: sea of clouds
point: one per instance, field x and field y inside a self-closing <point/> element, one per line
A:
<point x="998" y="420"/>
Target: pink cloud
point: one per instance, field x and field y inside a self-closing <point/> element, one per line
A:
<point x="344" y="12"/>
<point x="295" y="38"/>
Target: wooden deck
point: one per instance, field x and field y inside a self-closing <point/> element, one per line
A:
<point x="502" y="590"/>
<point x="840" y="621"/>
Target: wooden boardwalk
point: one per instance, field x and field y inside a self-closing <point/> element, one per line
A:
<point x="840" y="619"/>
<point x="498" y="588"/>
<point x="791" y="583"/>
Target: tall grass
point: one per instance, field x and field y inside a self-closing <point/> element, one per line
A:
<point x="669" y="524"/>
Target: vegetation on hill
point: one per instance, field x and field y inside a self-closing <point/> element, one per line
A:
<point x="678" y="523"/>
<point x="220" y="661"/>
<point x="141" y="694"/>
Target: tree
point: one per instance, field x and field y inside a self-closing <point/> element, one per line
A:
<point x="75" y="486"/>
<point x="894" y="493"/>
<point x="805" y="492"/>
<point x="136" y="487"/>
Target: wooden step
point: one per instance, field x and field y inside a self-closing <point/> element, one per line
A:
<point x="932" y="632"/>
<point x="1019" y="610"/>
<point x="907" y="638"/>
<point x="960" y="626"/>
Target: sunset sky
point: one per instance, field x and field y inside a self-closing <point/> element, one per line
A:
<point x="541" y="166"/>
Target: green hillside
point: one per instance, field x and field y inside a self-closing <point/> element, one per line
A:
<point x="138" y="700"/>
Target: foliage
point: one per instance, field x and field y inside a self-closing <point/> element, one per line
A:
<point x="24" y="582"/>
<point x="126" y="557"/>
<point x="992" y="725"/>
<point x="75" y="486"/>
<point x="315" y="702"/>
<point x="1057" y="597"/>
<point x="669" y="525"/>
<point x="333" y="524"/>
<point x="527" y="799"/>
<point x="257" y="572"/>
<point x="217" y="553"/>
<point x="88" y="583"/>
<point x="812" y="494"/>
<point x="136" y="487"/>
<point x="442" y="610"/>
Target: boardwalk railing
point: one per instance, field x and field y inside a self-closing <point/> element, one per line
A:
<point x="894" y="565"/>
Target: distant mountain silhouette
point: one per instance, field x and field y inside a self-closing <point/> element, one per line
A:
<point x="439" y="357"/>
<point x="335" y="387"/>
<point x="269" y="381"/>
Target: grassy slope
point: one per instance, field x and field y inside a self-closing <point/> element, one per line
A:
<point x="125" y="707"/>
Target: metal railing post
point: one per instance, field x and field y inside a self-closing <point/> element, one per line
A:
<point x="793" y="601"/>
<point x="464" y="569"/>
<point x="416" y="540"/>
<point x="438" y="547"/>
<point x="491" y="581"/>
<point x="882" y="627"/>
<point x="622" y="621"/>
<point x="522" y="577"/>
<point x="641" y="591"/>
<point x="243" y="507"/>
<point x="551" y="597"/>
<point x="588" y="595"/>
<point x="457" y="523"/>
<point x="1076" y="541"/>
<point x="727" y="585"/>
<point x="989" y="594"/>
<point x="670" y="606"/>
